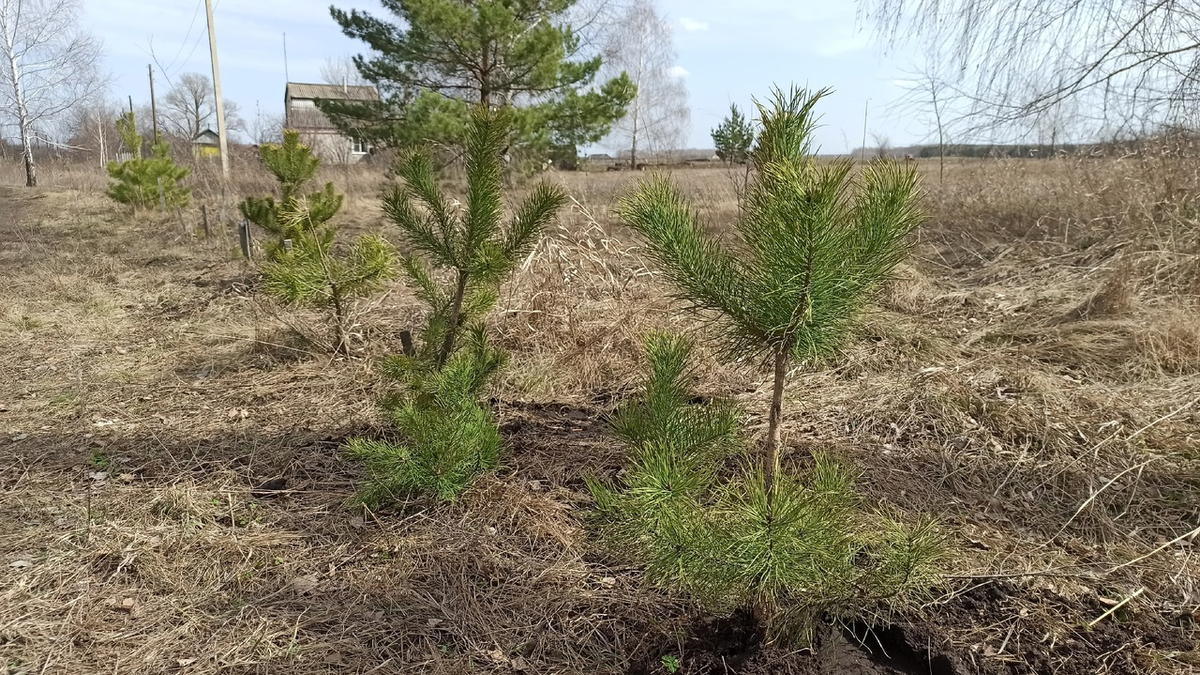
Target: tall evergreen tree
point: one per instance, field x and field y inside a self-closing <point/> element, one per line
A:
<point x="436" y="59"/>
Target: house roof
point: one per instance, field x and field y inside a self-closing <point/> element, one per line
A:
<point x="331" y="91"/>
<point x="207" y="137"/>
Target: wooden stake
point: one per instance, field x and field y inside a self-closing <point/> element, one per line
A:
<point x="244" y="238"/>
<point x="162" y="200"/>
<point x="406" y="343"/>
<point x="204" y="219"/>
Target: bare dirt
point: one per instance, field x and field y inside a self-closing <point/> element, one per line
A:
<point x="172" y="498"/>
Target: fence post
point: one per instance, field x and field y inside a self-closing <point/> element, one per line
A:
<point x="162" y="200"/>
<point x="204" y="218"/>
<point x="244" y="238"/>
<point x="406" y="343"/>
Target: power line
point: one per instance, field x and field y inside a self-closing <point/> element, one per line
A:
<point x="183" y="42"/>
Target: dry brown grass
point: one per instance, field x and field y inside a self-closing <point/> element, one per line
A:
<point x="145" y="392"/>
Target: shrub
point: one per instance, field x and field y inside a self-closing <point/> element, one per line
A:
<point x="305" y="266"/>
<point x="811" y="251"/>
<point x="804" y="550"/>
<point x="136" y="180"/>
<point x="449" y="436"/>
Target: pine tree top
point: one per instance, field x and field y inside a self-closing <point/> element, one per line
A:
<point x="813" y="239"/>
<point x="292" y="163"/>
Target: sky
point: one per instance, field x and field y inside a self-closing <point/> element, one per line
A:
<point x="729" y="52"/>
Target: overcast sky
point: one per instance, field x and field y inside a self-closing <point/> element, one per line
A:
<point x="730" y="52"/>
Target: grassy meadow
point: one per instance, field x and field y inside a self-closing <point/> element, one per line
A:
<point x="172" y="497"/>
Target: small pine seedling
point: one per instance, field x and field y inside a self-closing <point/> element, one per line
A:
<point x="305" y="266"/>
<point x="809" y="551"/>
<point x="136" y="180"/>
<point x="813" y="244"/>
<point x="293" y="164"/>
<point x="450" y="437"/>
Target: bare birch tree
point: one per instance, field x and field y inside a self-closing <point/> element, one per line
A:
<point x="188" y="108"/>
<point x="640" y="44"/>
<point x="342" y="72"/>
<point x="1134" y="61"/>
<point x="49" y="65"/>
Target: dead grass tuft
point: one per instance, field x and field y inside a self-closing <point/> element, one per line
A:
<point x="1117" y="296"/>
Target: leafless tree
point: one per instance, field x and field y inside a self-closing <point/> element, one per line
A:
<point x="1137" y="62"/>
<point x="188" y="108"/>
<point x="657" y="119"/>
<point x="883" y="144"/>
<point x="268" y="127"/>
<point x="341" y="71"/>
<point x="49" y="65"/>
<point x="930" y="97"/>
<point x="91" y="127"/>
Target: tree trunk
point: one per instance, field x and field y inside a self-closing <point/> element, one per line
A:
<point x="10" y="52"/>
<point x="30" y="167"/>
<point x="637" y="110"/>
<point x="772" y="451"/>
<point x="452" y="328"/>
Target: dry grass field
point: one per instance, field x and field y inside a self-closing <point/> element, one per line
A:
<point x="172" y="499"/>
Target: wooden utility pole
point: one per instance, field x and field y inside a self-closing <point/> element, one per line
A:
<point x="153" y="107"/>
<point x="100" y="135"/>
<point x="216" y="70"/>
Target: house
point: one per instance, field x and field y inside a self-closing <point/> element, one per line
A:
<point x="328" y="143"/>
<point x="206" y="145"/>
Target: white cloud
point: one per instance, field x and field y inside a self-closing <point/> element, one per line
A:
<point x="693" y="24"/>
<point x="679" y="71"/>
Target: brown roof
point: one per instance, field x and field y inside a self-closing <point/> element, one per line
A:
<point x="331" y="91"/>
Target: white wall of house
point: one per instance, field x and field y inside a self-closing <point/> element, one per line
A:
<point x="332" y="147"/>
<point x="327" y="143"/>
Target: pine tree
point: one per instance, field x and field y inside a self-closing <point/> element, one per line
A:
<point x="305" y="266"/>
<point x="437" y="59"/>
<point x="449" y="436"/>
<point x="734" y="137"/>
<point x="808" y="552"/>
<point x="136" y="180"/>
<point x="811" y="249"/>
<point x="293" y="164"/>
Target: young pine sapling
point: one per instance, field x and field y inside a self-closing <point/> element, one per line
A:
<point x="305" y="266"/>
<point x="813" y="242"/>
<point x="458" y="255"/>
<point x="136" y="181"/>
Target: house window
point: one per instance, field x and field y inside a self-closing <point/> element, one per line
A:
<point x="358" y="146"/>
